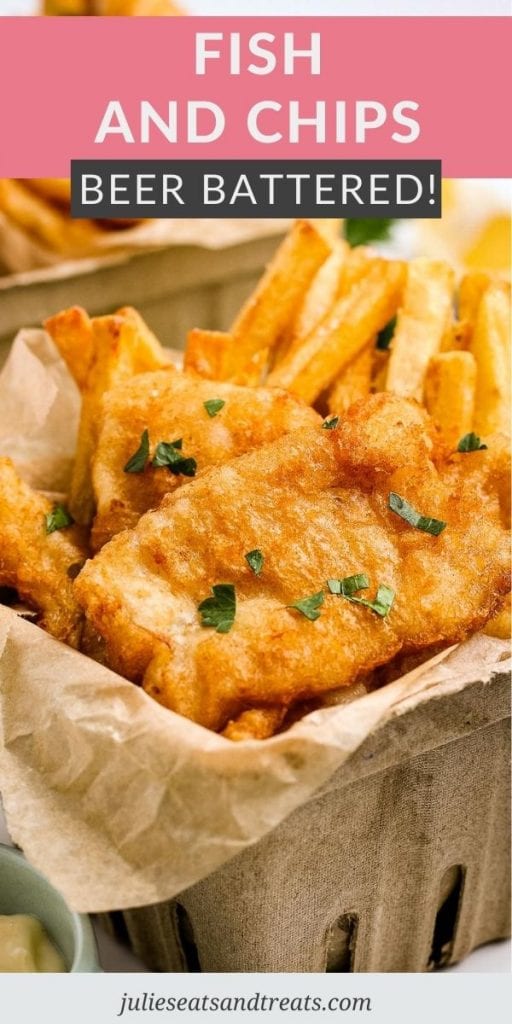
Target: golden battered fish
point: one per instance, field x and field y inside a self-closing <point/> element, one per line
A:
<point x="331" y="551"/>
<point x="212" y="422"/>
<point x="40" y="555"/>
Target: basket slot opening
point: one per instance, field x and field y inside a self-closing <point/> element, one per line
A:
<point x="341" y="944"/>
<point x="447" y="918"/>
<point x="186" y="939"/>
<point x="118" y="927"/>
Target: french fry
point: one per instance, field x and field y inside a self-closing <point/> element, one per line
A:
<point x="354" y="382"/>
<point x="270" y="309"/>
<point x="45" y="222"/>
<point x="471" y="289"/>
<point x="450" y="393"/>
<point x="355" y="318"/>
<point x="421" y="324"/>
<point x="255" y="724"/>
<point x="134" y="8"/>
<point x="122" y="346"/>
<point x="379" y="370"/>
<point x="457" y="337"/>
<point x="72" y="332"/>
<point x="322" y="293"/>
<point x="35" y="562"/>
<point x="500" y="625"/>
<point x="57" y="190"/>
<point x="147" y="353"/>
<point x="490" y="346"/>
<point x="330" y="228"/>
<point x="206" y="353"/>
<point x="356" y="265"/>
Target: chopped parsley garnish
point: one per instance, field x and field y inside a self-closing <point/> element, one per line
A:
<point x="137" y="462"/>
<point x="362" y="230"/>
<point x="213" y="406"/>
<point x="331" y="424"/>
<point x="255" y="560"/>
<point x="168" y="454"/>
<point x="309" y="606"/>
<point x="349" y="585"/>
<point x="58" y="519"/>
<point x="385" y="335"/>
<point x="219" y="611"/>
<point x="381" y="605"/>
<point x="471" y="443"/>
<point x="407" y="512"/>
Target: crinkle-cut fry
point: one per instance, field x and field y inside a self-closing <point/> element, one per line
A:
<point x="269" y="311"/>
<point x="490" y="346"/>
<point x="206" y="353"/>
<point x="122" y="347"/>
<point x="421" y="325"/>
<point x="45" y="222"/>
<point x="310" y="368"/>
<point x="354" y="382"/>
<point x="72" y="332"/>
<point x="57" y="190"/>
<point x="450" y="393"/>
<point x="255" y="724"/>
<point x="500" y="626"/>
<point x="36" y="563"/>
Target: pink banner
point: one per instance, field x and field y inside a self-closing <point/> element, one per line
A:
<point x="175" y="88"/>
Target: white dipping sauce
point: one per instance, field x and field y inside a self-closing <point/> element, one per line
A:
<point x="25" y="947"/>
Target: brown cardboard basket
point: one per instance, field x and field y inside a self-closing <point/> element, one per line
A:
<point x="174" y="288"/>
<point x="401" y="862"/>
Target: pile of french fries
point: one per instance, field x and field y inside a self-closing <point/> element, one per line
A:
<point x="40" y="208"/>
<point x="333" y="324"/>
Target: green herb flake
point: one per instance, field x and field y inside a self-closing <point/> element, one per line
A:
<point x="471" y="443"/>
<point x="385" y="336"/>
<point x="255" y="560"/>
<point x="168" y="455"/>
<point x="381" y="605"/>
<point x="218" y="612"/>
<point x="213" y="406"/>
<point x="349" y="585"/>
<point x="58" y="519"/>
<point x="137" y="462"/>
<point x="308" y="606"/>
<point x="360" y="231"/>
<point x="407" y="512"/>
<point x="331" y="424"/>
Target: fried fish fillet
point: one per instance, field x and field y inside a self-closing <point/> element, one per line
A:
<point x="39" y="565"/>
<point x="316" y="505"/>
<point x="170" y="405"/>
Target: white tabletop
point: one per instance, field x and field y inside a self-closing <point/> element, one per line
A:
<point x="492" y="959"/>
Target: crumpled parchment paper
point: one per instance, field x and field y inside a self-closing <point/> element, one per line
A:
<point x="117" y="800"/>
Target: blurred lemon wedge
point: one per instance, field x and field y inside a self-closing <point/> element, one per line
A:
<point x="475" y="229"/>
